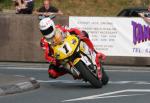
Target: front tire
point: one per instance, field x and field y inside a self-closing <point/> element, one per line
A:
<point x="87" y="75"/>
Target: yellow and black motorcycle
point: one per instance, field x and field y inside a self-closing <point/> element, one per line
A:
<point x="70" y="52"/>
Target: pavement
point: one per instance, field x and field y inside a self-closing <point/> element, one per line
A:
<point x="127" y="84"/>
<point x="11" y="84"/>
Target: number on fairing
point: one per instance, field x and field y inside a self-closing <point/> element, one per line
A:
<point x="66" y="48"/>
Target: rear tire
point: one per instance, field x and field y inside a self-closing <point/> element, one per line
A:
<point x="105" y="77"/>
<point x="87" y="75"/>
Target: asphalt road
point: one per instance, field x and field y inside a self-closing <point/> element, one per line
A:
<point x="127" y="85"/>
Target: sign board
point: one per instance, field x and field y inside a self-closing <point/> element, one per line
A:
<point x="116" y="36"/>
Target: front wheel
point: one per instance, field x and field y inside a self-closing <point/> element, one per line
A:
<point x="87" y="75"/>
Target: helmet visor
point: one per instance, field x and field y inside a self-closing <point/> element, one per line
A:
<point x="47" y="31"/>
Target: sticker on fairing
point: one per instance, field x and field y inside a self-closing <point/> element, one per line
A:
<point x="85" y="60"/>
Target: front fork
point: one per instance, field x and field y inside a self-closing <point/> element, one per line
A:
<point x="73" y="70"/>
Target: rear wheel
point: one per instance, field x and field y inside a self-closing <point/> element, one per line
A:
<point x="87" y="75"/>
<point x="105" y="77"/>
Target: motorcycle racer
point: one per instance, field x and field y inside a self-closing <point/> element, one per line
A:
<point x="54" y="35"/>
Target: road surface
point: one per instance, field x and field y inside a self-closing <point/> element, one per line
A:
<point x="127" y="85"/>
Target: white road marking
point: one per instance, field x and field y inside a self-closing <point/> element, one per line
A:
<point x="108" y="95"/>
<point x="116" y="96"/>
<point x="110" y="82"/>
<point x="130" y="82"/>
<point x="60" y="81"/>
<point x="19" y="75"/>
<point x="131" y="70"/>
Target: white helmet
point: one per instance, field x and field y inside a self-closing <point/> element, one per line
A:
<point x="47" y="27"/>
